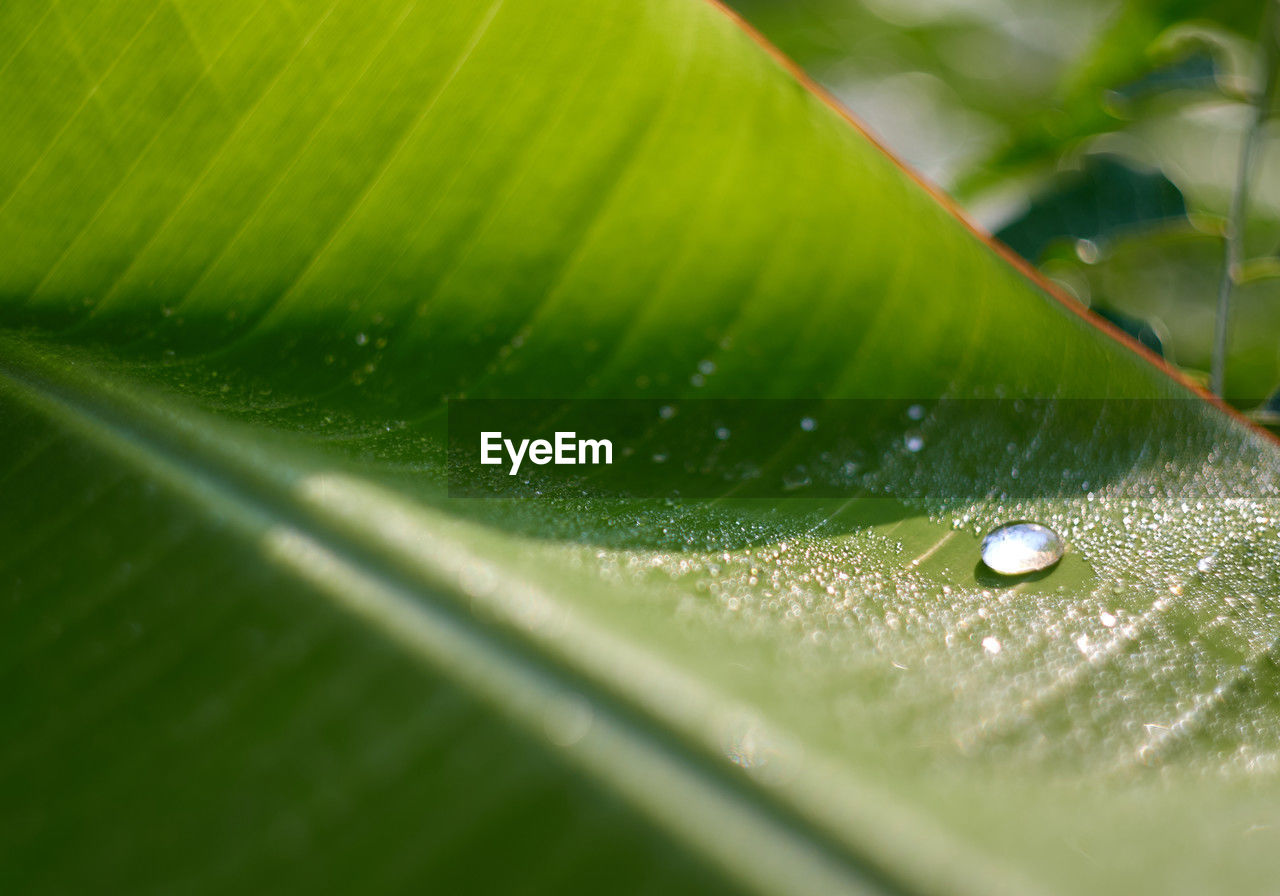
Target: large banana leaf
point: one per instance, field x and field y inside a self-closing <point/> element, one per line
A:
<point x="252" y="644"/>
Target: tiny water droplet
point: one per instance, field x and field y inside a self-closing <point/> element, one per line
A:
<point x="1022" y="547"/>
<point x="808" y="424"/>
<point x="1204" y="564"/>
<point x="992" y="645"/>
<point x="1088" y="251"/>
<point x="666" y="412"/>
<point x="795" y="479"/>
<point x="706" y="368"/>
<point x="914" y="443"/>
<point x="916" y="412"/>
<point x="362" y="338"/>
<point x="722" y="433"/>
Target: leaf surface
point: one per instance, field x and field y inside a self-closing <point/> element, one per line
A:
<point x="250" y="250"/>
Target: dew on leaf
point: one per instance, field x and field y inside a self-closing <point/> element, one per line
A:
<point x="1022" y="547"/>
<point x="795" y="479"/>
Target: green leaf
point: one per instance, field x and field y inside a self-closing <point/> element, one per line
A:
<point x="1141" y="43"/>
<point x="1168" y="278"/>
<point x="251" y="643"/>
<point x="944" y="84"/>
<point x="1103" y="199"/>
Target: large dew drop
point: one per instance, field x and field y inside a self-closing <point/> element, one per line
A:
<point x="1015" y="549"/>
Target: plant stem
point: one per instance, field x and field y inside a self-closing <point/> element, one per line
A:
<point x="1233" y="253"/>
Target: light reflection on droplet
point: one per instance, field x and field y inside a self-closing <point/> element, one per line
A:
<point x="1022" y="547"/>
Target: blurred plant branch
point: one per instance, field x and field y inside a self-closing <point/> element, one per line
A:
<point x="1264" y="102"/>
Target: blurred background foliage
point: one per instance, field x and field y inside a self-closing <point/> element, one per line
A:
<point x="1101" y="139"/>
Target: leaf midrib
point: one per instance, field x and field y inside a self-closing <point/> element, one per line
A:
<point x="720" y="812"/>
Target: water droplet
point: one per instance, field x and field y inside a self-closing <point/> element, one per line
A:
<point x="666" y="412"/>
<point x="795" y="479"/>
<point x="722" y="433"/>
<point x="1108" y="619"/>
<point x="992" y="645"/>
<point x="1022" y="547"/>
<point x="706" y="368"/>
<point x="914" y="443"/>
<point x="567" y="721"/>
<point x="362" y="338"/>
<point x="808" y="424"/>
<point x="916" y="412"/>
<point x="1204" y="564"/>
